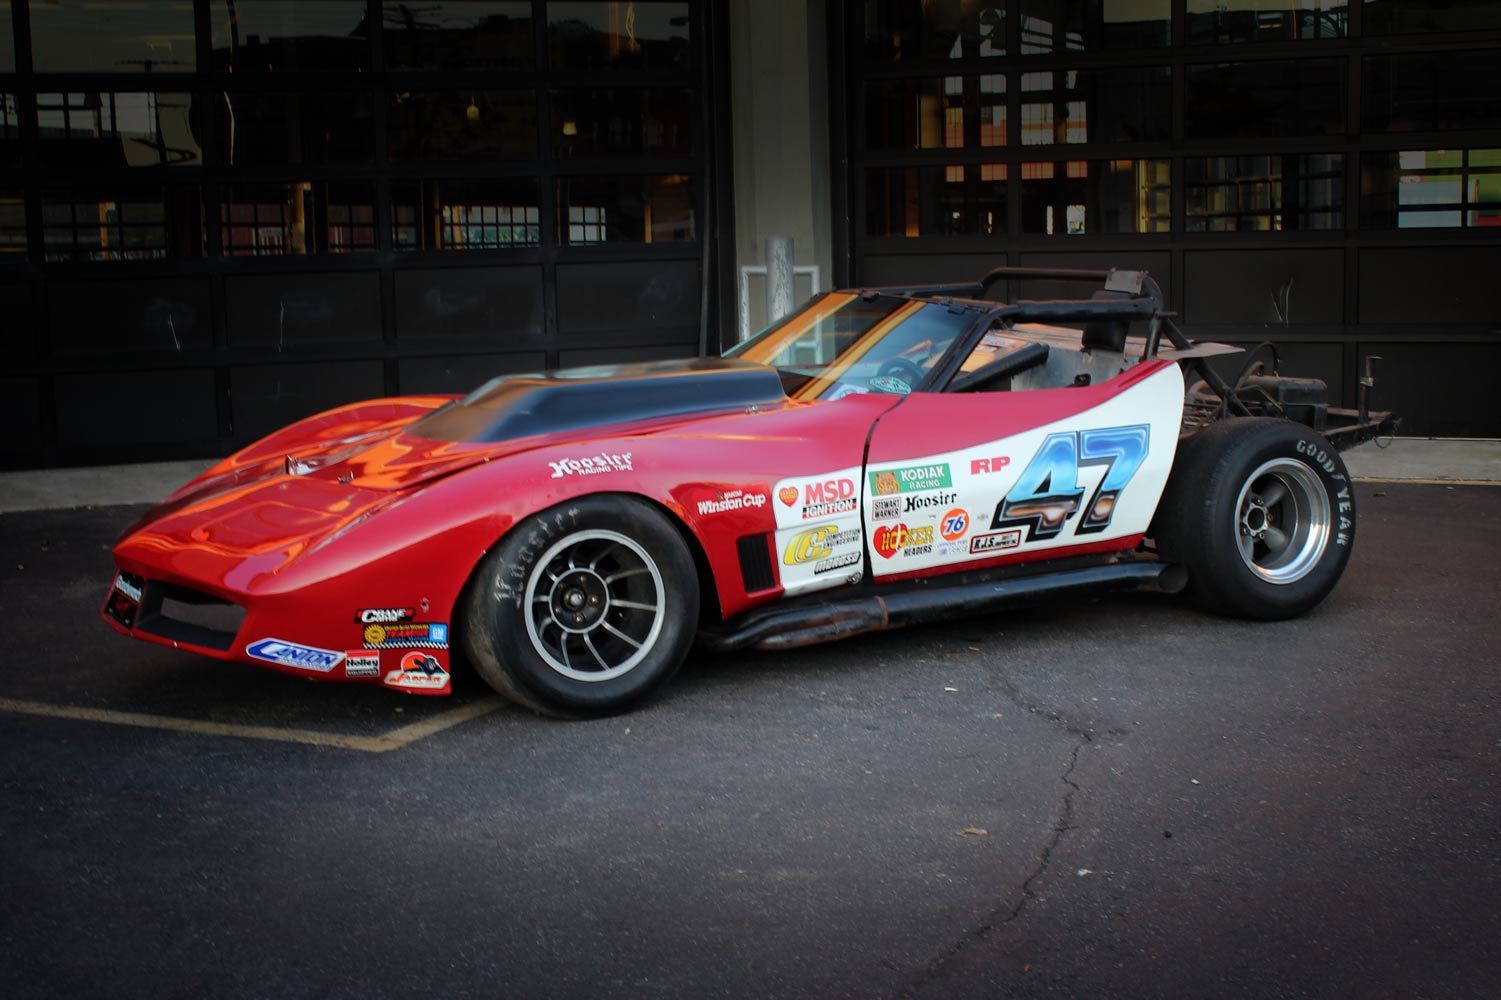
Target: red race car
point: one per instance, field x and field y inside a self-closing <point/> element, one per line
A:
<point x="879" y="458"/>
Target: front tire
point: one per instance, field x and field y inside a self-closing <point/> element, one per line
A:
<point x="1261" y="513"/>
<point x="583" y="609"/>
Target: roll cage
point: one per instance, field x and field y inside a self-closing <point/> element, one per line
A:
<point x="1124" y="297"/>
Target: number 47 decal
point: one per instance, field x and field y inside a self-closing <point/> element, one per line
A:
<point x="1048" y="492"/>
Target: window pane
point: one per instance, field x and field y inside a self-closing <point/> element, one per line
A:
<point x="262" y="36"/>
<point x="1430" y="189"/>
<point x="10" y="131"/>
<point x="122" y="224"/>
<point x="1260" y="99"/>
<point x="1450" y="90"/>
<point x="652" y="209"/>
<point x="1220" y="22"/>
<point x="7" y="40"/>
<point x="12" y="224"/>
<point x="297" y="217"/>
<point x="1391" y="17"/>
<point x="608" y="35"/>
<point x="936" y="201"/>
<point x="922" y="112"/>
<point x="1079" y="25"/>
<point x="280" y="128"/>
<point x="911" y="30"/>
<point x="1096" y="196"/>
<point x="457" y="35"/>
<point x="1264" y="193"/>
<point x="1103" y="105"/>
<point x="105" y="129"/>
<point x="466" y="215"/>
<point x="454" y="125"/>
<point x="83" y="36"/>
<point x="623" y="121"/>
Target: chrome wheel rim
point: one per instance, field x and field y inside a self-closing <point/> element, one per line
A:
<point x="594" y="605"/>
<point x="1283" y="521"/>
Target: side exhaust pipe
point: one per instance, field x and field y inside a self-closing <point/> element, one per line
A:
<point x="808" y="624"/>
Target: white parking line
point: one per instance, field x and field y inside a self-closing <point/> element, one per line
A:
<point x="394" y="740"/>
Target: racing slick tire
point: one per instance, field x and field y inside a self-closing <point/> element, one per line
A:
<point x="1261" y="514"/>
<point x="583" y="609"/>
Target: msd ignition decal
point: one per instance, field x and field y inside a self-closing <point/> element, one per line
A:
<point x="290" y="654"/>
<point x="414" y="635"/>
<point x="1048" y="493"/>
<point x="593" y="465"/>
<point x="417" y="672"/>
<point x="910" y="479"/>
<point x="752" y="499"/>
<point x="829" y="495"/>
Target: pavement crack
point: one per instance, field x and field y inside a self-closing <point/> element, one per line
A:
<point x="1003" y="915"/>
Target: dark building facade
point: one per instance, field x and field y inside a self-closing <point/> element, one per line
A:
<point x="1322" y="174"/>
<point x="219" y="215"/>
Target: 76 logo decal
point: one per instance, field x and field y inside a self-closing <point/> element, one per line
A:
<point x="1048" y="492"/>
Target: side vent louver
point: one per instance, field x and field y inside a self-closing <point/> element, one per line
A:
<point x="755" y="563"/>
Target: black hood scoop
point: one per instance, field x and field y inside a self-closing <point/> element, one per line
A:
<point x="515" y="406"/>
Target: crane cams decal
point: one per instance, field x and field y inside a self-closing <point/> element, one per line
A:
<point x="1048" y="494"/>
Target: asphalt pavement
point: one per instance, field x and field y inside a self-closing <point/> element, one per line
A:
<point x="1119" y="798"/>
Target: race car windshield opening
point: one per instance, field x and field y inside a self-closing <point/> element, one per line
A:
<point x="842" y="343"/>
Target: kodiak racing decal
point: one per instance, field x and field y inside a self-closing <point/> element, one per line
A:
<point x="819" y="537"/>
<point x="1089" y="477"/>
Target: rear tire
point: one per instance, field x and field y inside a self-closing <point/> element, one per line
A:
<point x="583" y="609"/>
<point x="1261" y="514"/>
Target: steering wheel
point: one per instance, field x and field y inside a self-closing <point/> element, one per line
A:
<point x="902" y="369"/>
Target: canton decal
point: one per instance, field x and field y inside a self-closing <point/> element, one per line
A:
<point x="418" y="672"/>
<point x="290" y="654"/>
<point x="592" y="465"/>
<point x="1048" y="493"/>
<point x="911" y="479"/>
<point x="358" y="663"/>
<point x="415" y="635"/>
<point x="995" y="543"/>
<point x="735" y="500"/>
<point x="385" y="616"/>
